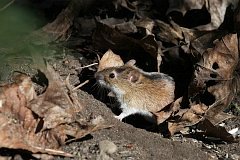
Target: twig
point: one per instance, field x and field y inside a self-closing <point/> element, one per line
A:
<point x="216" y="79"/>
<point x="159" y="59"/>
<point x="93" y="64"/>
<point x="67" y="82"/>
<point x="98" y="57"/>
<point x="80" y="85"/>
<point x="7" y="5"/>
<point x="68" y="85"/>
<point x="53" y="151"/>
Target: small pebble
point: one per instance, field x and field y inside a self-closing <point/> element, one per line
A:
<point x="107" y="147"/>
<point x="235" y="157"/>
<point x="85" y="149"/>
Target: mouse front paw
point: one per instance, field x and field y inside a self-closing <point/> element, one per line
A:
<point x="123" y="115"/>
<point x="118" y="117"/>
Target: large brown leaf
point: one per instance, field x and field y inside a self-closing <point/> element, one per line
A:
<point x="109" y="59"/>
<point x="215" y="75"/>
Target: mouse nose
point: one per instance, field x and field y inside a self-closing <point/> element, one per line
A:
<point x="98" y="76"/>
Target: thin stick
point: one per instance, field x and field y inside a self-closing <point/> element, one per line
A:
<point x="80" y="85"/>
<point x="216" y="79"/>
<point x="159" y="59"/>
<point x="7" y="5"/>
<point x="67" y="82"/>
<point x="98" y="57"/>
<point x="53" y="151"/>
<point x="93" y="64"/>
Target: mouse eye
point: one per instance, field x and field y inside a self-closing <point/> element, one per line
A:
<point x="112" y="75"/>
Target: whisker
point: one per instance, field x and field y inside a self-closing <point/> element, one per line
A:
<point x="95" y="87"/>
<point x="99" y="90"/>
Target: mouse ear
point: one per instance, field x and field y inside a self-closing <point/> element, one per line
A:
<point x="133" y="76"/>
<point x="131" y="62"/>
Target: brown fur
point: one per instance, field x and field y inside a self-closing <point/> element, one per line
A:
<point x="138" y="89"/>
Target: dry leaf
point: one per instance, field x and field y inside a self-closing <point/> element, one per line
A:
<point x="109" y="59"/>
<point x="184" y="5"/>
<point x="41" y="124"/>
<point x="216" y="9"/>
<point x="215" y="75"/>
<point x="55" y="106"/>
<point x="18" y="123"/>
<point x="126" y="27"/>
<point x="106" y="36"/>
<point x="111" y="34"/>
<point x="124" y="3"/>
<point x="168" y="33"/>
<point x="215" y="131"/>
<point x="201" y="41"/>
<point x="188" y="117"/>
<point x="212" y="90"/>
<point x="145" y="23"/>
<point x="60" y="28"/>
<point x="163" y="115"/>
<point x="167" y="111"/>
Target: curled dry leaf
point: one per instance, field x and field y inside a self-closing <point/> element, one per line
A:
<point x="214" y="85"/>
<point x="60" y="28"/>
<point x="208" y="129"/>
<point x="167" y="111"/>
<point x="55" y="105"/>
<point x="184" y="5"/>
<point x="106" y="36"/>
<point x="111" y="33"/>
<point x="182" y="37"/>
<point x="215" y="75"/>
<point x="41" y="124"/>
<point x="169" y="33"/>
<point x="216" y="9"/>
<point x="15" y="97"/>
<point x="203" y="41"/>
<point x="109" y="59"/>
<point x="187" y="117"/>
<point x="124" y="3"/>
<point x="18" y="123"/>
<point x="212" y="89"/>
<point x="179" y="118"/>
<point x="146" y="23"/>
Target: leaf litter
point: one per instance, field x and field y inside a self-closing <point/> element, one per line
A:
<point x="214" y="75"/>
<point x="51" y="116"/>
<point x="42" y="123"/>
<point x="215" y="81"/>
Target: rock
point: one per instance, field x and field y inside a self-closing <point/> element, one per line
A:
<point x="235" y="157"/>
<point x="106" y="148"/>
<point x="85" y="150"/>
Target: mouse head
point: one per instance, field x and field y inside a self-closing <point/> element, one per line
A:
<point x="119" y="78"/>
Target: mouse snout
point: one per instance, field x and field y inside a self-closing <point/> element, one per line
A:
<point x="98" y="76"/>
